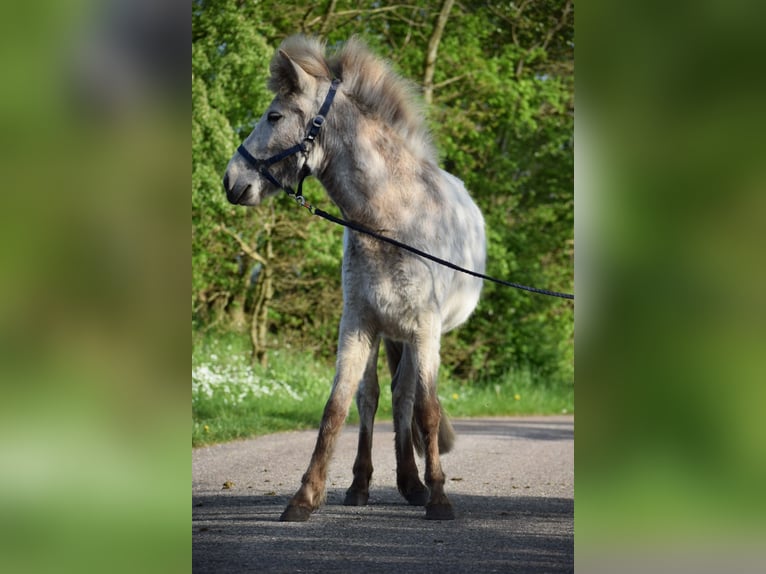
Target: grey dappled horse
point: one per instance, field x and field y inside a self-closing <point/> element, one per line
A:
<point x="374" y="156"/>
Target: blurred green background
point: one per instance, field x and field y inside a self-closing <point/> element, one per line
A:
<point x="94" y="260"/>
<point x="671" y="322"/>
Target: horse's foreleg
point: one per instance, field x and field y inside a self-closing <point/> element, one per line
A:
<point x="354" y="349"/>
<point x="428" y="415"/>
<point x="367" y="402"/>
<point x="403" y="377"/>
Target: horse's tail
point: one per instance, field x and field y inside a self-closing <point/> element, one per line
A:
<point x="446" y="434"/>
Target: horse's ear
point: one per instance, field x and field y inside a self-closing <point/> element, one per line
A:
<point x="287" y="77"/>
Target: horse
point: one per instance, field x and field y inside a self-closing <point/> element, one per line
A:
<point x="360" y="130"/>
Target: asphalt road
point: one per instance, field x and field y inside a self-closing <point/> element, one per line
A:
<point x="510" y="480"/>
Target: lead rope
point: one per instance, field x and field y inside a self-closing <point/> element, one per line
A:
<point x="300" y="200"/>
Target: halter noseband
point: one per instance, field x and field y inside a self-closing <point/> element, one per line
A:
<point x="263" y="165"/>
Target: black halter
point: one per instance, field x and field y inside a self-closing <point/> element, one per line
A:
<point x="263" y="165"/>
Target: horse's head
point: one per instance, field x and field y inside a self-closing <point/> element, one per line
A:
<point x="300" y="79"/>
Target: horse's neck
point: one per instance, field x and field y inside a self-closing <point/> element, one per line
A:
<point x="374" y="181"/>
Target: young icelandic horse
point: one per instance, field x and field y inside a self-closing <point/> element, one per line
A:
<point x="374" y="157"/>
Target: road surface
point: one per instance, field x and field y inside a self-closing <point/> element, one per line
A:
<point x="510" y="480"/>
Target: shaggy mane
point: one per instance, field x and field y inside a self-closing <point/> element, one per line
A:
<point x="367" y="80"/>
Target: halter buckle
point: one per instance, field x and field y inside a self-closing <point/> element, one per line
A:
<point x="316" y="125"/>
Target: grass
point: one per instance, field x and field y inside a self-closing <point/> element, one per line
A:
<point x="232" y="399"/>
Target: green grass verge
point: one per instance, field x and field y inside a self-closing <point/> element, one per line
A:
<point x="232" y="399"/>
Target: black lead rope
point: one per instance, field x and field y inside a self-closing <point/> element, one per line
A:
<point x="361" y="229"/>
<point x="262" y="165"/>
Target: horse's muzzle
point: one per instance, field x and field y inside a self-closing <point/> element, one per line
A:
<point x="236" y="194"/>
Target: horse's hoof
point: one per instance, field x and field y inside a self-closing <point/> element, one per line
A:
<point x="417" y="496"/>
<point x="295" y="514"/>
<point x="439" y="512"/>
<point x="356" y="498"/>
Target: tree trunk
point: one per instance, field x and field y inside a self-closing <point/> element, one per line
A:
<point x="433" y="49"/>
<point x="265" y="291"/>
<point x="237" y="312"/>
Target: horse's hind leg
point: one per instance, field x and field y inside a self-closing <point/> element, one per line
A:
<point x="354" y="347"/>
<point x="428" y="414"/>
<point x="403" y="377"/>
<point x="367" y="403"/>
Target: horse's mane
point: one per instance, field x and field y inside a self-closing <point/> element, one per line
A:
<point x="367" y="80"/>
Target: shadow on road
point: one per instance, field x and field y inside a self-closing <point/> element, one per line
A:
<point x="233" y="533"/>
<point x="510" y="481"/>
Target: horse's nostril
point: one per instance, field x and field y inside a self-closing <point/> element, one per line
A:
<point x="226" y="181"/>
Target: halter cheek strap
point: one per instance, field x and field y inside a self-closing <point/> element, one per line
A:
<point x="263" y="165"/>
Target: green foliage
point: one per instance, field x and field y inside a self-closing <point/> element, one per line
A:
<point x="229" y="55"/>
<point x="502" y="117"/>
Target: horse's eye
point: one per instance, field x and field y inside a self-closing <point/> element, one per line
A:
<point x="274" y="117"/>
